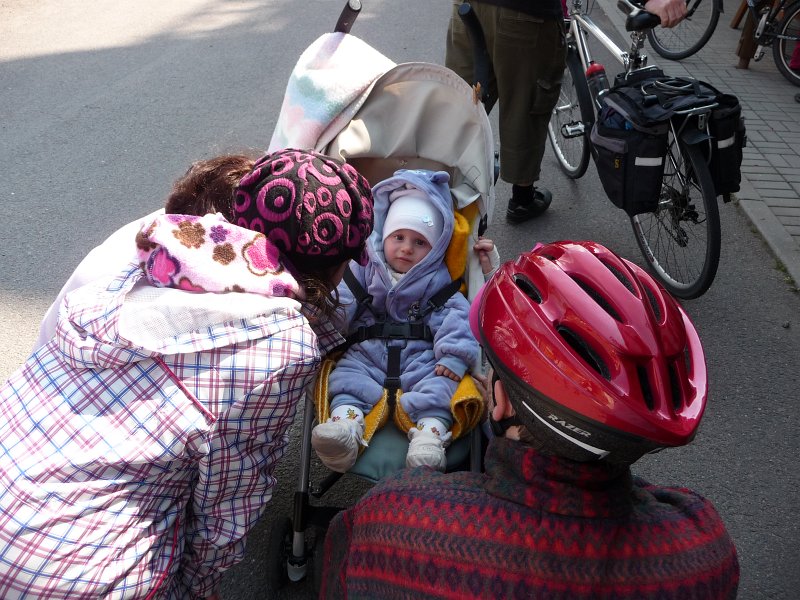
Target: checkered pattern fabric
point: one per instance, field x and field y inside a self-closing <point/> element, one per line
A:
<point x="128" y="473"/>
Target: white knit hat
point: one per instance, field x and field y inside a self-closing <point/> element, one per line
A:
<point x="411" y="209"/>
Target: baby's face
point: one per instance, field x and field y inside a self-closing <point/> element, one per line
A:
<point x="404" y="248"/>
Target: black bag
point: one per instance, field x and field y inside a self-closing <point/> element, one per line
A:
<point x="630" y="162"/>
<point x="728" y="138"/>
<point x="631" y="134"/>
<point x="725" y="125"/>
<point x="629" y="140"/>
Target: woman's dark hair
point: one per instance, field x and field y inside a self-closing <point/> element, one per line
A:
<point x="320" y="291"/>
<point x="208" y="186"/>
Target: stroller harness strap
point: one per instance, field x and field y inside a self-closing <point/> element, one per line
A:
<point x="390" y="330"/>
<point x="393" y="331"/>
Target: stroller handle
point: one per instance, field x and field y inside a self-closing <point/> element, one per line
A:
<point x="480" y="55"/>
<point x="348" y="16"/>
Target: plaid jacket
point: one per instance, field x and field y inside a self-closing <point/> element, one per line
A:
<point x="136" y="471"/>
<point x="533" y="526"/>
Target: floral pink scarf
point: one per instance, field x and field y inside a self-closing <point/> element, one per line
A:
<point x="209" y="254"/>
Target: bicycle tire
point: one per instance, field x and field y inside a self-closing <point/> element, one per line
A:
<point x="574" y="100"/>
<point x="688" y="36"/>
<point x="782" y="50"/>
<point x="681" y="239"/>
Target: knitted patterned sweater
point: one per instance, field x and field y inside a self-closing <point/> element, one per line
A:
<point x="532" y="526"/>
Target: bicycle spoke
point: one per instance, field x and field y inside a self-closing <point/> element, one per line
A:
<point x="676" y="237"/>
<point x="567" y="129"/>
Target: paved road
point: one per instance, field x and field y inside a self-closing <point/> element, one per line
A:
<point x="102" y="106"/>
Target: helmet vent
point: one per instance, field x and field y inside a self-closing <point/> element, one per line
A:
<point x="619" y="275"/>
<point x="598" y="297"/>
<point x="584" y="350"/>
<point x="527" y="287"/>
<point x="675" y="384"/>
<point x="653" y="302"/>
<point x="647" y="391"/>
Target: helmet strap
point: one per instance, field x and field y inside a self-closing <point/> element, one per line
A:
<point x="500" y="427"/>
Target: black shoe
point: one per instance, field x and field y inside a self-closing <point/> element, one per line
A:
<point x="519" y="211"/>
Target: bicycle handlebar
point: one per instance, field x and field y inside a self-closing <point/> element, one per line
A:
<point x="348" y="16"/>
<point x="638" y="18"/>
<point x="480" y="55"/>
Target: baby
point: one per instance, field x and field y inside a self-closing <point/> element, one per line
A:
<point x="413" y="226"/>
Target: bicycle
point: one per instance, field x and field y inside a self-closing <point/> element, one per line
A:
<point x="680" y="239"/>
<point x="778" y="26"/>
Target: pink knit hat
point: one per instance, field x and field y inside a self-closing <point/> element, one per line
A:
<point x="317" y="210"/>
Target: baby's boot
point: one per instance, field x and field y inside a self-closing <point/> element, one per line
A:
<point x="338" y="440"/>
<point x="427" y="445"/>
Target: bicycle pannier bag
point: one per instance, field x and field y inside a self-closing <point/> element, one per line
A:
<point x="629" y="142"/>
<point x="728" y="137"/>
<point x="725" y="125"/>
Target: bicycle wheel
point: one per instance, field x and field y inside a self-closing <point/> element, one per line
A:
<point x="688" y="36"/>
<point x="681" y="239"/>
<point x="787" y="52"/>
<point x="571" y="120"/>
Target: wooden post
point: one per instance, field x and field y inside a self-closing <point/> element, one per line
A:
<point x="740" y="13"/>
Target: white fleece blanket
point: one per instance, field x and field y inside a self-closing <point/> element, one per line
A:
<point x="328" y="85"/>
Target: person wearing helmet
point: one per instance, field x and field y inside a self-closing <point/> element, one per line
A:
<point x="139" y="445"/>
<point x="593" y="365"/>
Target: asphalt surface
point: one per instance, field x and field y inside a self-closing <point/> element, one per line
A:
<point x="102" y="107"/>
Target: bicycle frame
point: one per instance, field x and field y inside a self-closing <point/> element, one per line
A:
<point x="579" y="25"/>
<point x="771" y="22"/>
<point x="762" y="33"/>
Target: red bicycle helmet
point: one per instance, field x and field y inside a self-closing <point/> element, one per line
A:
<point x="598" y="360"/>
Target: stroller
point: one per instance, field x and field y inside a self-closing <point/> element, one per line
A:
<point x="347" y="100"/>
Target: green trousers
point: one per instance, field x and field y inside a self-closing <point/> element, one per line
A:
<point x="528" y="59"/>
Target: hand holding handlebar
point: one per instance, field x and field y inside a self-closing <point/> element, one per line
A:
<point x="671" y="12"/>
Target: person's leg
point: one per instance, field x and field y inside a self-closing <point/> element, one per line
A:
<point x="428" y="406"/>
<point x="427" y="443"/>
<point x="794" y="63"/>
<point x="338" y="440"/>
<point x="529" y="59"/>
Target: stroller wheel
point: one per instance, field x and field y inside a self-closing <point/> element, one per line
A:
<point x="279" y="547"/>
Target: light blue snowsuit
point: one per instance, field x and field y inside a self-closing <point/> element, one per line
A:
<point x="358" y="378"/>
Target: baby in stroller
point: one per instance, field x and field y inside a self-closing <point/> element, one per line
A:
<point x="346" y="100"/>
<point x="412" y="335"/>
